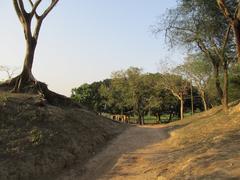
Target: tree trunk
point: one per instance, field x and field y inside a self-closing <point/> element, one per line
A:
<point x="28" y="61"/>
<point x="236" y="30"/>
<point x="140" y="119"/>
<point x="217" y="82"/>
<point x="159" y="117"/>
<point x="225" y="87"/>
<point x="170" y="117"/>
<point x="26" y="75"/>
<point x="203" y="100"/>
<point x="192" y="99"/>
<point x="143" y="120"/>
<point x="181" y="109"/>
<point x="181" y="106"/>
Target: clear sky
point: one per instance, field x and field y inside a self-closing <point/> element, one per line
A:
<point x="82" y="41"/>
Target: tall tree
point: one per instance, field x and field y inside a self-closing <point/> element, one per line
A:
<point x="199" y="25"/>
<point x="199" y="71"/>
<point x="31" y="35"/>
<point x="159" y="100"/>
<point x="177" y="86"/>
<point x="231" y="11"/>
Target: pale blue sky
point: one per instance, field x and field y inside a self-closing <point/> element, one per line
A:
<point x="85" y="40"/>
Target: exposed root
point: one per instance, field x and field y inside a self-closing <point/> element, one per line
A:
<point x="31" y="86"/>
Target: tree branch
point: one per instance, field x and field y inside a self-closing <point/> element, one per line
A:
<point x="46" y="12"/>
<point x="226" y="37"/>
<point x="222" y="6"/>
<point x="22" y="9"/>
<point x="34" y="8"/>
<point x="18" y="11"/>
<point x="41" y="18"/>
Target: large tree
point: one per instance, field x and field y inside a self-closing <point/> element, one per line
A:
<point x="31" y="21"/>
<point x="197" y="70"/>
<point x="199" y="26"/>
<point x="231" y="11"/>
<point x="31" y="35"/>
<point x="177" y="86"/>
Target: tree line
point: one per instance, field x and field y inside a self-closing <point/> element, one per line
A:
<point x="185" y="88"/>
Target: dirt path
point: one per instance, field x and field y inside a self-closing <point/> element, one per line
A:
<point x="129" y="156"/>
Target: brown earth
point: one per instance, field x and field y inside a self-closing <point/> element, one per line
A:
<point x="205" y="146"/>
<point x="38" y="140"/>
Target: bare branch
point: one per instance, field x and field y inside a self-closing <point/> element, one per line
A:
<point x="34" y="8"/>
<point x="222" y="6"/>
<point x="226" y="38"/>
<point x="18" y="11"/>
<point x="37" y="29"/>
<point x="22" y="8"/>
<point x="53" y="3"/>
<point x="41" y="18"/>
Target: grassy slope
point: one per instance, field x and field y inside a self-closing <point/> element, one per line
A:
<point x="205" y="146"/>
<point x="36" y="139"/>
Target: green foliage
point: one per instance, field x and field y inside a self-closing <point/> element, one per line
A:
<point x="234" y="83"/>
<point x="89" y="95"/>
<point x="195" y="68"/>
<point x="193" y="21"/>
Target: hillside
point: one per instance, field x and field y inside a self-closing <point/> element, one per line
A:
<point x="37" y="139"/>
<point x="205" y="146"/>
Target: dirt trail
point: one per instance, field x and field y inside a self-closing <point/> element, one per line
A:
<point x="129" y="156"/>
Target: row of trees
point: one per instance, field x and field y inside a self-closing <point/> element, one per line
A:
<point x="132" y="92"/>
<point x="129" y="92"/>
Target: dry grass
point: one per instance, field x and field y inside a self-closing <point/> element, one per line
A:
<point x="206" y="146"/>
<point x="38" y="139"/>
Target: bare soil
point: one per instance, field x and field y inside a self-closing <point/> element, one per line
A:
<point x="125" y="157"/>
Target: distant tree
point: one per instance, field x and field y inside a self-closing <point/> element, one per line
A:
<point x="115" y="93"/>
<point x="82" y="94"/>
<point x="161" y="102"/>
<point x="128" y="90"/>
<point x="89" y="95"/>
<point x="139" y="91"/>
<point x="10" y="72"/>
<point x="31" y="35"/>
<point x="177" y="86"/>
<point x="197" y="70"/>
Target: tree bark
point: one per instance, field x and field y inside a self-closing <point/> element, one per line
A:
<point x="236" y="30"/>
<point x="202" y="93"/>
<point x="26" y="77"/>
<point x="29" y="56"/>
<point x="217" y="82"/>
<point x="225" y="87"/>
<point x="181" y="106"/>
<point x="159" y="117"/>
<point x="140" y="119"/>
<point x="192" y="99"/>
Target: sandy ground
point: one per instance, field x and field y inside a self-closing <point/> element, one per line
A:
<point x="129" y="156"/>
